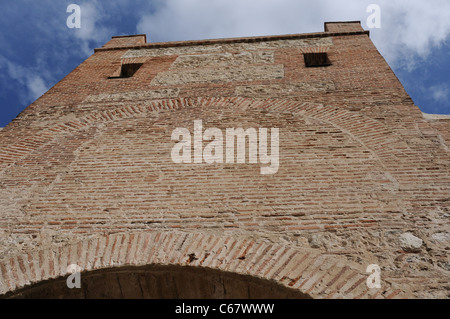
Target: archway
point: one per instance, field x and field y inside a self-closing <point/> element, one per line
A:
<point x="218" y="267"/>
<point x="159" y="282"/>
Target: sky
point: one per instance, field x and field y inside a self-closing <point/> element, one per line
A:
<point x="38" y="48"/>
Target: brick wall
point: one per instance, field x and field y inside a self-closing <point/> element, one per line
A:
<point x="87" y="177"/>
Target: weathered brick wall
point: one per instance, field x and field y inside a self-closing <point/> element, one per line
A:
<point x="87" y="177"/>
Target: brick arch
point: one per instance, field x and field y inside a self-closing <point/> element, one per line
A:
<point x="386" y="145"/>
<point x="319" y="275"/>
<point x="306" y="270"/>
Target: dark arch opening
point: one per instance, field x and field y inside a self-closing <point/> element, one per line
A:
<point x="159" y="282"/>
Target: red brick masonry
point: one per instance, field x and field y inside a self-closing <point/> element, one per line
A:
<point x="87" y="177"/>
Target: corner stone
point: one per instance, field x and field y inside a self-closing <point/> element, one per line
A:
<point x="410" y="243"/>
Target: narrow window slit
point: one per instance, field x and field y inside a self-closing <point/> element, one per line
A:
<point x="316" y="59"/>
<point x="127" y="70"/>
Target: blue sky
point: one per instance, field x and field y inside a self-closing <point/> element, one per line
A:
<point x="38" y="49"/>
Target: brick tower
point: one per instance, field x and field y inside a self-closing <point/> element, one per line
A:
<point x="87" y="176"/>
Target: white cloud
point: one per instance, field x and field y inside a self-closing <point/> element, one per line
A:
<point x="440" y="92"/>
<point x="28" y="78"/>
<point x="91" y="29"/>
<point x="409" y="30"/>
<point x="37" y="86"/>
<point x="412" y="29"/>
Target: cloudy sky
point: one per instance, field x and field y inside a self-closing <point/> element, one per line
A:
<point x="38" y="49"/>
